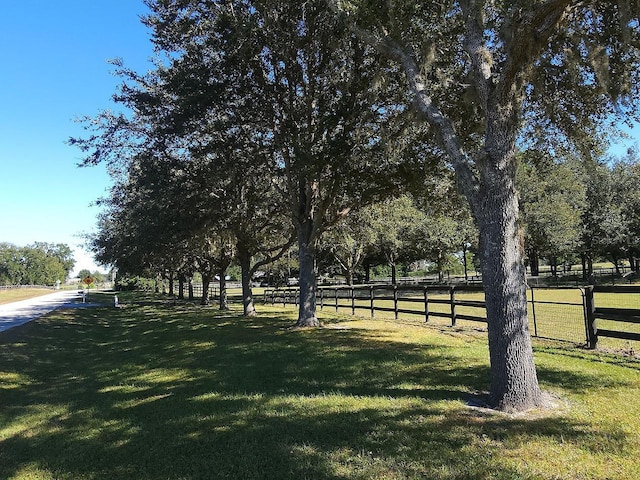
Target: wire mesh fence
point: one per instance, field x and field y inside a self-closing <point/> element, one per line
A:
<point x="557" y="313"/>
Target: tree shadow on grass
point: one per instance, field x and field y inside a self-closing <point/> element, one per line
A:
<point x="193" y="393"/>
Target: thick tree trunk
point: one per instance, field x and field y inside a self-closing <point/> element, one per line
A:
<point x="206" y="282"/>
<point x="307" y="316"/>
<point x="514" y="383"/>
<point x="244" y="258"/>
<point x="181" y="280"/>
<point x="171" y="283"/>
<point x="394" y="274"/>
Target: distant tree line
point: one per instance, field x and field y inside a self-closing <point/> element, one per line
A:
<point x="36" y="264"/>
<point x="577" y="212"/>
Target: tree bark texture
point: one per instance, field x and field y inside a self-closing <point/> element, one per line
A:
<point x="308" y="278"/>
<point x="206" y="281"/>
<point x="514" y="382"/>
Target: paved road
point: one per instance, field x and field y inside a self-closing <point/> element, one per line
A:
<point x="17" y="313"/>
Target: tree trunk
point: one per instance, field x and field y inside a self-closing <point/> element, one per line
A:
<point x="348" y="275"/>
<point x="514" y="382"/>
<point x="464" y="262"/>
<point x="190" y="284"/>
<point x="224" y="300"/>
<point x="367" y="272"/>
<point x="171" y="283"/>
<point x="616" y="263"/>
<point x="308" y="279"/>
<point x="244" y="258"/>
<point x="181" y="279"/>
<point x="394" y="274"/>
<point x="553" y="264"/>
<point x="534" y="262"/>
<point x="206" y="281"/>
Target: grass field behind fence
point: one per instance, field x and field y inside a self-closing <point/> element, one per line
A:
<point x="154" y="390"/>
<point x="554" y="313"/>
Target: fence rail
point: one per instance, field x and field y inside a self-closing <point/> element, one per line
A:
<point x="611" y="312"/>
<point x="577" y="314"/>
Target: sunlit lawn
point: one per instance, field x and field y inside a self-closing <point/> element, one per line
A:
<point x="157" y="391"/>
<point x="17" y="294"/>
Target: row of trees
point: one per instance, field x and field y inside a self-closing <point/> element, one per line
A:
<point x="307" y="111"/>
<point x="37" y="264"/>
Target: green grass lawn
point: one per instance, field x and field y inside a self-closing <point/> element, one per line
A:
<point x="154" y="390"/>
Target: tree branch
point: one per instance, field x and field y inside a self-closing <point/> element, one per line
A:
<point x="442" y="125"/>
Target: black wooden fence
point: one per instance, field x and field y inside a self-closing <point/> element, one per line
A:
<point x="571" y="313"/>
<point x="608" y="310"/>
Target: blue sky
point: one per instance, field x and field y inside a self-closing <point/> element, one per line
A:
<point x="54" y="58"/>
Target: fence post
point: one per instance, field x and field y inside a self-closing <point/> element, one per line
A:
<point x="395" y="301"/>
<point x="336" y="293"/>
<point x="426" y="305"/>
<point x="590" y="317"/>
<point x="371" y="301"/>
<point x="353" y="301"/>
<point x="321" y="298"/>
<point x="452" y="292"/>
<point x="533" y="312"/>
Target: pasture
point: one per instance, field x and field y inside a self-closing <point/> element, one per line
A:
<point x="154" y="390"/>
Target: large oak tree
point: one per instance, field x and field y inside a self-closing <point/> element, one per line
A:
<point x="483" y="73"/>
